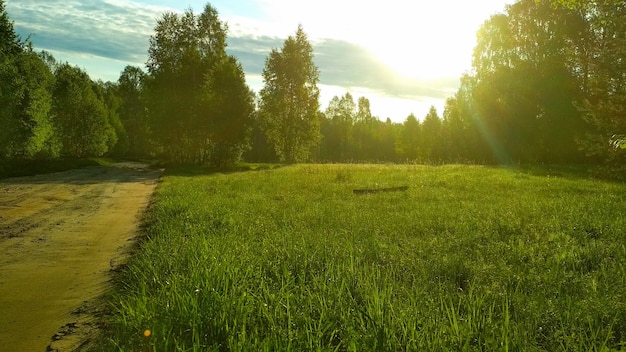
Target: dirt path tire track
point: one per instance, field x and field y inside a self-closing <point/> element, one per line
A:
<point x="61" y="235"/>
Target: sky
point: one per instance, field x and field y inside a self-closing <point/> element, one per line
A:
<point x="404" y="56"/>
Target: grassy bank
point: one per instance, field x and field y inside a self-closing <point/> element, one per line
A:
<point x="467" y="258"/>
<point x="15" y="168"/>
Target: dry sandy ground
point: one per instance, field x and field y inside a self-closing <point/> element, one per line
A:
<point x="61" y="236"/>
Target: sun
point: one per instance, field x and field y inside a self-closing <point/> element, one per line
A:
<point x="426" y="40"/>
<point x="424" y="49"/>
<point x="437" y="61"/>
<point x="422" y="40"/>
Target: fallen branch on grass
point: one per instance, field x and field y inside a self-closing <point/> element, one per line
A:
<point x="378" y="190"/>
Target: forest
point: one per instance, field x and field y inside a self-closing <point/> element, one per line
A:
<point x="547" y="86"/>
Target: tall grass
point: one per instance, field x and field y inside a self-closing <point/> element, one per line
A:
<point x="469" y="258"/>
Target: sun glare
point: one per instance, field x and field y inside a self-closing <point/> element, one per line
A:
<point x="430" y="40"/>
<point x="417" y="39"/>
<point x="433" y="62"/>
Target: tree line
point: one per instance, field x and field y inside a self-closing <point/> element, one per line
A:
<point x="547" y="84"/>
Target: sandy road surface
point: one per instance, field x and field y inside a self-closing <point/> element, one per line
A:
<point x="60" y="236"/>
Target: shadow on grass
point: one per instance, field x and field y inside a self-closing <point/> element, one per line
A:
<point x="565" y="171"/>
<point x="17" y="168"/>
<point x="570" y="172"/>
<point x="76" y="172"/>
<point x="198" y="170"/>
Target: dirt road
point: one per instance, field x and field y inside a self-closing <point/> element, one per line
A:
<point x="60" y="236"/>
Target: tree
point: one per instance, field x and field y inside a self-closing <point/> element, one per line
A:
<point x="290" y="99"/>
<point x="260" y="148"/>
<point x="408" y="141"/>
<point x="132" y="110"/>
<point x="364" y="134"/>
<point x="230" y="106"/>
<point x="453" y="133"/>
<point x="190" y="73"/>
<point x="39" y="135"/>
<point x="80" y="117"/>
<point x="10" y="85"/>
<point x="341" y="115"/>
<point x="117" y="143"/>
<point x="524" y="86"/>
<point x="431" y="147"/>
<point x="364" y="114"/>
<point x="599" y="59"/>
<point x="330" y="134"/>
<point x="10" y="42"/>
<point x="27" y="128"/>
<point x="25" y="83"/>
<point x="387" y="140"/>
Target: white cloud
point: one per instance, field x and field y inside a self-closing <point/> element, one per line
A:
<point x="112" y="29"/>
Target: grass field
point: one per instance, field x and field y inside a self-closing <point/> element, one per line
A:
<point x="290" y="259"/>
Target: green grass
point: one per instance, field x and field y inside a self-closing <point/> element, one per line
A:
<point x="469" y="258"/>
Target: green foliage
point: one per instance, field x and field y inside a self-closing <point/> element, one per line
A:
<point x="189" y="115"/>
<point x="290" y="99"/>
<point x="432" y="136"/>
<point x="338" y="140"/>
<point x="45" y="115"/>
<point x="291" y="259"/>
<point x="351" y="134"/>
<point x="422" y="141"/>
<point x="10" y="85"/>
<point x="25" y="84"/>
<point x="547" y="86"/>
<point x="455" y="132"/>
<point x="261" y="150"/>
<point x="604" y="61"/>
<point x="548" y="82"/>
<point x="10" y="43"/>
<point x="35" y="109"/>
<point x="582" y="4"/>
<point x="80" y="117"/>
<point x="368" y="135"/>
<point x="118" y="142"/>
<point x="130" y="92"/>
<point x="408" y="142"/>
<point x="524" y="84"/>
<point x="10" y="88"/>
<point x="177" y="68"/>
<point x="231" y="106"/>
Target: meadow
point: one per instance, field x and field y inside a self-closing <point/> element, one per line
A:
<point x="291" y="259"/>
